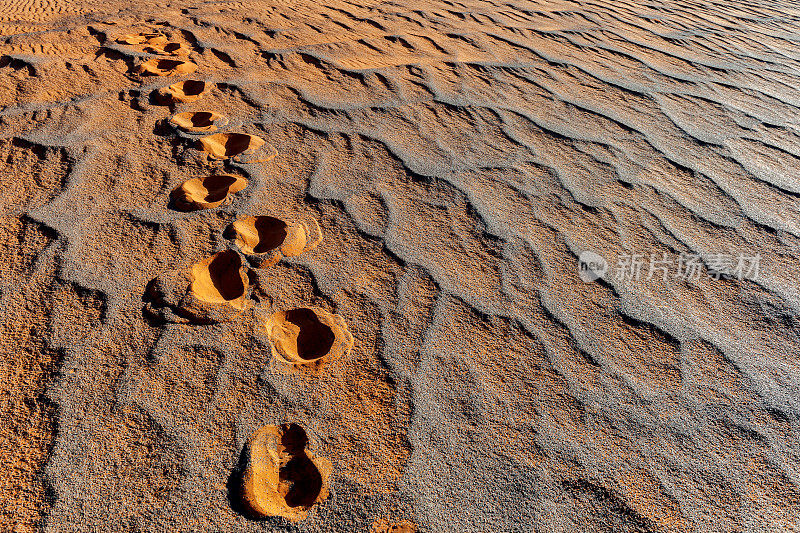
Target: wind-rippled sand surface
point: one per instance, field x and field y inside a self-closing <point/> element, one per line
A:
<point x="458" y="157"/>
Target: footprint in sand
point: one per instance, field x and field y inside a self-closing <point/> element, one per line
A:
<point x="221" y="279"/>
<point x="269" y="239"/>
<point x="207" y="192"/>
<point x="308" y="335"/>
<point x="159" y="66"/>
<point x="150" y="39"/>
<point x="198" y="122"/>
<point x="170" y="49"/>
<point x="243" y="148"/>
<point x="280" y="476"/>
<point x="154" y="43"/>
<point x="210" y="291"/>
<point x="183" y="91"/>
<point x="382" y="525"/>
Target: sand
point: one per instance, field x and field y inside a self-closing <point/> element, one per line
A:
<point x="458" y="159"/>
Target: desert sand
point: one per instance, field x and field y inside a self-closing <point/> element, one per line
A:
<point x="314" y="266"/>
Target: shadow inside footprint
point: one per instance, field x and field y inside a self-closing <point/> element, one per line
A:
<point x="314" y="339"/>
<point x="142" y="38"/>
<point x="173" y="49"/>
<point x="190" y="88"/>
<point x="183" y="91"/>
<point x="225" y="145"/>
<point x="271" y="233"/>
<point x="236" y="143"/>
<point x="219" y="279"/>
<point x="201" y="119"/>
<point x="303" y="479"/>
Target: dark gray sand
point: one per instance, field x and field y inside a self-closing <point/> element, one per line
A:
<point x="459" y="158"/>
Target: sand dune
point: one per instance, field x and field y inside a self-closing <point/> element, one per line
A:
<point x="165" y="292"/>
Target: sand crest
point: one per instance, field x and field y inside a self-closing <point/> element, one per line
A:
<point x="308" y="335"/>
<point x="207" y="192"/>
<point x="270" y="239"/>
<point x="198" y="122"/>
<point x="242" y="147"/>
<point x="281" y="477"/>
<point x="165" y="67"/>
<point x="210" y="291"/>
<point x="184" y="91"/>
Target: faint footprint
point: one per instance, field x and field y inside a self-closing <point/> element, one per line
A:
<point x="167" y="48"/>
<point x="208" y="192"/>
<point x="198" y="122"/>
<point x="158" y="66"/>
<point x="279" y="476"/>
<point x="270" y="239"/>
<point x="210" y="291"/>
<point x="183" y="91"/>
<point x="243" y="148"/>
<point x="308" y="335"/>
<point x="152" y="39"/>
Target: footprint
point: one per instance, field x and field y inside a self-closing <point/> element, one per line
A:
<point x="208" y="192"/>
<point x="198" y="122"/>
<point x="154" y="43"/>
<point x="280" y="476"/>
<point x="271" y="239"/>
<point x="171" y="49"/>
<point x="221" y="279"/>
<point x="152" y="39"/>
<point x="210" y="291"/>
<point x="382" y="525"/>
<point x="158" y="66"/>
<point x="243" y="148"/>
<point x="307" y="335"/>
<point x="184" y="91"/>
